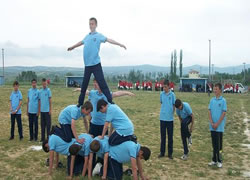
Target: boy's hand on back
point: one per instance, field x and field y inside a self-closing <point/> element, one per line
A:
<point x="81" y="141"/>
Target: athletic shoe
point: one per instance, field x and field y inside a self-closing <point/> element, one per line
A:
<point x="31" y="140"/>
<point x="161" y="156"/>
<point x="47" y="162"/>
<point x="128" y="172"/>
<point x="11" y="138"/>
<point x="170" y="156"/>
<point x="219" y="164"/>
<point x="21" y="138"/>
<point x="60" y="165"/>
<point x="97" y="169"/>
<point x="212" y="163"/>
<point x="190" y="141"/>
<point x="184" y="157"/>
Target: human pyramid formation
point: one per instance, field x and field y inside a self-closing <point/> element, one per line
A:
<point x="110" y="135"/>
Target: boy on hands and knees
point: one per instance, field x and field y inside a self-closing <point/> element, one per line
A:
<point x="123" y="153"/>
<point x="84" y="152"/>
<point x="217" y="120"/>
<point x="15" y="111"/>
<point x="124" y="128"/>
<point x="55" y="144"/>
<point x="92" y="61"/>
<point x="33" y="110"/>
<point x="184" y="112"/>
<point x="45" y="109"/>
<point x="68" y="118"/>
<point x="101" y="148"/>
<point x="167" y="99"/>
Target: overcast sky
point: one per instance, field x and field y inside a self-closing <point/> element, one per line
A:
<point x="38" y="32"/>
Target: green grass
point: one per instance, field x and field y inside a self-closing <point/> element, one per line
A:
<point x="16" y="162"/>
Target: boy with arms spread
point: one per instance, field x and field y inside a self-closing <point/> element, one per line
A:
<point x="217" y="120"/>
<point x="184" y="112"/>
<point x="33" y="110"/>
<point x="92" y="61"/>
<point x="15" y="111"/>
<point x="167" y="99"/>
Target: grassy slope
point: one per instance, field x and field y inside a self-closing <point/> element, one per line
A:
<point x="19" y="163"/>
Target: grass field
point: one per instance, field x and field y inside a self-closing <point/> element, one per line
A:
<point x="18" y="162"/>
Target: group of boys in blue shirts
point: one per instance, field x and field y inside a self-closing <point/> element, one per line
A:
<point x="120" y="146"/>
<point x="38" y="103"/>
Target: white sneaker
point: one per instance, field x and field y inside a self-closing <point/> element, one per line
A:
<point x="97" y="169"/>
<point x="219" y="165"/>
<point x="190" y="141"/>
<point x="212" y="163"/>
<point x="184" y="157"/>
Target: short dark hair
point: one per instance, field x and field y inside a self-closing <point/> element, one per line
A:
<point x="33" y="80"/>
<point x="178" y="103"/>
<point x="93" y="19"/>
<point x="101" y="103"/>
<point x="95" y="146"/>
<point x="44" y="80"/>
<point x="15" y="83"/>
<point x="146" y="152"/>
<point x="166" y="82"/>
<point x="74" y="149"/>
<point x="87" y="105"/>
<point x="218" y="85"/>
<point x="46" y="149"/>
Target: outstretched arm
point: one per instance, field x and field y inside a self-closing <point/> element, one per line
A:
<point x="122" y="93"/>
<point x="111" y="41"/>
<point x="75" y="46"/>
<point x="85" y="166"/>
<point x="51" y="161"/>
<point x="134" y="168"/>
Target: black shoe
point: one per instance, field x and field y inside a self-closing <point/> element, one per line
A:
<point x="21" y="138"/>
<point x="78" y="105"/>
<point x="134" y="138"/>
<point x="47" y="162"/>
<point x="60" y="165"/>
<point x="52" y="130"/>
<point x="128" y="172"/>
<point x="161" y="156"/>
<point x="170" y="156"/>
<point x="112" y="102"/>
<point x="35" y="139"/>
<point x="31" y="140"/>
<point x="11" y="138"/>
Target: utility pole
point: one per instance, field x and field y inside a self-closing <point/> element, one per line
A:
<point x="209" y="76"/>
<point x="3" y="61"/>
<point x="212" y="72"/>
<point x="244" y="72"/>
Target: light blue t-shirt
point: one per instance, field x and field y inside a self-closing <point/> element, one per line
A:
<point x="33" y="96"/>
<point x="69" y="113"/>
<point x="185" y="112"/>
<point x="104" y="146"/>
<point x="98" y="118"/>
<point x="119" y="120"/>
<point x="85" y="146"/>
<point x="15" y="98"/>
<point x="125" y="151"/>
<point x="44" y="96"/>
<point x="91" y="48"/>
<point x="58" y="145"/>
<point x="217" y="107"/>
<point x="167" y="102"/>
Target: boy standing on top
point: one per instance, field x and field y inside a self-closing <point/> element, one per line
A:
<point x="167" y="99"/>
<point x="45" y="109"/>
<point x="15" y="111"/>
<point x="217" y="120"/>
<point x="92" y="61"/>
<point x="184" y="112"/>
<point x="33" y="110"/>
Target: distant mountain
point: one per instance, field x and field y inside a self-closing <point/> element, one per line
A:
<point x="13" y="71"/>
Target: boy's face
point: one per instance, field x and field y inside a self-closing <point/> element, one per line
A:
<point x="104" y="109"/>
<point x="166" y="88"/>
<point x="96" y="85"/>
<point x="33" y="84"/>
<point x="141" y="154"/>
<point x="92" y="25"/>
<point x="86" y="112"/>
<point x="217" y="91"/>
<point x="180" y="108"/>
<point x="16" y="87"/>
<point x="44" y="84"/>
